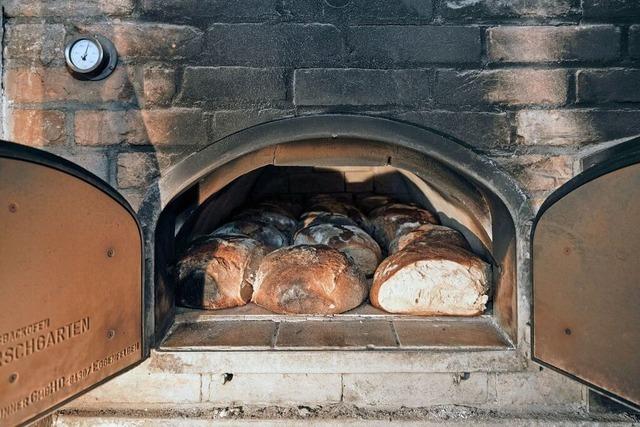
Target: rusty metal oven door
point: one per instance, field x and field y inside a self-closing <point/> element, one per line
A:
<point x="70" y="283"/>
<point x="586" y="276"/>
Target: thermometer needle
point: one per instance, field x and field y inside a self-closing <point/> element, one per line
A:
<point x="85" y="52"/>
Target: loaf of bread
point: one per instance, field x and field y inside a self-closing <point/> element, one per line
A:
<point x="434" y="279"/>
<point x="279" y="220"/>
<point x="372" y="201"/>
<point x="218" y="272"/>
<point x="429" y="234"/>
<point x="308" y="279"/>
<point x="264" y="233"/>
<point x="283" y="206"/>
<point x="391" y="221"/>
<point x="338" y="207"/>
<point x="309" y="219"/>
<point x="348" y="239"/>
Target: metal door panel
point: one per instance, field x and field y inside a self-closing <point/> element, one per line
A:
<point x="70" y="283"/>
<point x="586" y="279"/>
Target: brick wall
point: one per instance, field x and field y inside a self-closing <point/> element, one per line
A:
<point x="534" y="84"/>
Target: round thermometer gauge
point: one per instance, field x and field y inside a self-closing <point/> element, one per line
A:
<point x="90" y="57"/>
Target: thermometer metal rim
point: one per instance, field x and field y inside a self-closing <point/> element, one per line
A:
<point x="72" y="43"/>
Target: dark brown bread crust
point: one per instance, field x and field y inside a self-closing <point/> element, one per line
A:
<point x="391" y="221"/>
<point x="218" y="272"/>
<point x="415" y="252"/>
<point x="308" y="279"/>
<point x="309" y="219"/>
<point x="373" y="201"/>
<point x="266" y="234"/>
<point x="343" y="208"/>
<point x="429" y="234"/>
<point x="282" y="222"/>
<point x="348" y="239"/>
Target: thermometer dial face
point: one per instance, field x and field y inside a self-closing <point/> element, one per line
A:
<point x="85" y="54"/>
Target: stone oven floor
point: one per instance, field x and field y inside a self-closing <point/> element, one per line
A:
<point x="254" y="328"/>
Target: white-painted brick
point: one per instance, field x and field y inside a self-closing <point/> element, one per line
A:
<point x="142" y="386"/>
<point x="414" y="390"/>
<point x="275" y="389"/>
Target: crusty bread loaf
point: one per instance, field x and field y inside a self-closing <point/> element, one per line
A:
<point x="337" y="207"/>
<point x="308" y="279"/>
<point x="266" y="234"/>
<point x="429" y="234"/>
<point x="370" y="202"/>
<point x="309" y="219"/>
<point x="282" y="222"/>
<point x="283" y="206"/>
<point x="436" y="279"/>
<point x="391" y="221"/>
<point x="350" y="240"/>
<point x="219" y="272"/>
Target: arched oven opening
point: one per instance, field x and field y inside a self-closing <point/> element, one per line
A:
<point x="350" y="168"/>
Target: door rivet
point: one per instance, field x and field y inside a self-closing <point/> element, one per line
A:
<point x="13" y="208"/>
<point x="13" y="377"/>
<point x="110" y="334"/>
<point x="111" y="252"/>
<point x="567" y="331"/>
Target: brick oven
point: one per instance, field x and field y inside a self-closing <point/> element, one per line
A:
<point x="514" y="122"/>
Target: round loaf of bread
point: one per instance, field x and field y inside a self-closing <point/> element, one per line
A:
<point x="309" y="219"/>
<point x="347" y="209"/>
<point x="219" y="272"/>
<point x="372" y="201"/>
<point x="434" y="280"/>
<point x="279" y="220"/>
<point x="352" y="241"/>
<point x="266" y="234"/>
<point x="391" y="221"/>
<point x="429" y="234"/>
<point x="285" y="207"/>
<point x="308" y="279"/>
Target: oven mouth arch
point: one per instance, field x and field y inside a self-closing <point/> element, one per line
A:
<point x="334" y="128"/>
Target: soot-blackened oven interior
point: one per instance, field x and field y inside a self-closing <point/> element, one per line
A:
<point x="347" y="168"/>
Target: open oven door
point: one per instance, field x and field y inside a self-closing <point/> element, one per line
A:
<point x="71" y="285"/>
<point x="586" y="276"/>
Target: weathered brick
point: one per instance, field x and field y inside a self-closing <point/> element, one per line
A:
<point x="82" y="8"/>
<point x="360" y="11"/>
<point x="159" y="86"/>
<point x="227" y="122"/>
<point x="140" y="40"/>
<point x="415" y="390"/>
<point x="215" y="10"/>
<point x="160" y="127"/>
<point x="56" y="84"/>
<point x="361" y="87"/>
<point x="514" y="86"/>
<point x="273" y="45"/>
<point x="137" y="169"/>
<point x="233" y="84"/>
<point x="391" y="44"/>
<point x="542" y="44"/>
<point x="537" y="390"/>
<point x="611" y="85"/>
<point x="478" y="9"/>
<point x="275" y="389"/>
<point x="36" y="127"/>
<point x="569" y="127"/>
<point x="175" y="126"/>
<point x="539" y="173"/>
<point x="95" y="160"/>
<point x="33" y="43"/>
<point x="634" y="41"/>
<point x="611" y="9"/>
<point x="109" y="127"/>
<point x="482" y="130"/>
